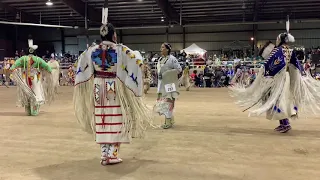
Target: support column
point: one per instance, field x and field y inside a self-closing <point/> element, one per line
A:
<point x="86" y="23"/>
<point x="167" y="34"/>
<point x="255" y="40"/>
<point x="120" y="37"/>
<point x="15" y="40"/>
<point x="63" y="43"/>
<point x="184" y="37"/>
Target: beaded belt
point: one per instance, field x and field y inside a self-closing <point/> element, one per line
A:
<point x="100" y="74"/>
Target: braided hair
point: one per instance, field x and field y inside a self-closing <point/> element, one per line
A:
<point x="168" y="47"/>
<point x="285" y="38"/>
<point x="107" y="32"/>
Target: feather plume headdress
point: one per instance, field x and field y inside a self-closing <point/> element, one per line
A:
<point x="104" y="27"/>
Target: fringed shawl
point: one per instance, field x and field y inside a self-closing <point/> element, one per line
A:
<point x="25" y="93"/>
<point x="263" y="94"/>
<point x="129" y="90"/>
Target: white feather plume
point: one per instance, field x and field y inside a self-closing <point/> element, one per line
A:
<point x="290" y="38"/>
<point x="266" y="53"/>
<point x="288" y="26"/>
<point x="104" y="15"/>
<point x="30" y="43"/>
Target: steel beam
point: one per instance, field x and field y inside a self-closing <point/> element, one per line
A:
<point x="79" y="7"/>
<point x="169" y="12"/>
<point x="24" y="17"/>
<point x="256" y="11"/>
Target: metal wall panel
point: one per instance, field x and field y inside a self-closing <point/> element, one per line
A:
<point x="175" y="38"/>
<point x="211" y="38"/>
<point x="71" y="40"/>
<point x="282" y="26"/>
<point x="144" y="39"/>
<point x="57" y="46"/>
<point x="73" y="49"/>
<point x="144" y="31"/>
<point x="307" y="38"/>
<point x="209" y="46"/>
<point x="154" y="47"/>
<point x="175" y="30"/>
<point x="218" y="37"/>
<point x="219" y="28"/>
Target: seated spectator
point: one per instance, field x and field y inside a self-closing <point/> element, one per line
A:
<point x="194" y="75"/>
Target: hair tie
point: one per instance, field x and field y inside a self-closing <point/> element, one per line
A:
<point x="168" y="46"/>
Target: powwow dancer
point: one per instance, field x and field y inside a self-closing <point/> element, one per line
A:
<point x="146" y="76"/>
<point x="185" y="78"/>
<point x="6" y="74"/>
<point x="241" y="77"/>
<point x="71" y="76"/>
<point x="281" y="89"/>
<point x="107" y="95"/>
<point x="168" y="85"/>
<point x="34" y="81"/>
<point x="55" y="72"/>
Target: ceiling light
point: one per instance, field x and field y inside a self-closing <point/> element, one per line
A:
<point x="49" y="3"/>
<point x="162" y="20"/>
<point x="251" y="38"/>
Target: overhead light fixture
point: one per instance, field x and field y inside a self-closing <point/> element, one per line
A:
<point x="49" y="3"/>
<point x="251" y="38"/>
<point x="162" y="18"/>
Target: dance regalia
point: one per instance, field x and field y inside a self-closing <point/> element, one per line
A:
<point x="71" y="76"/>
<point x="241" y="78"/>
<point x="185" y="78"/>
<point x="281" y="89"/>
<point x="147" y="78"/>
<point x="6" y="74"/>
<point x="107" y="97"/>
<point x="55" y="73"/>
<point x="307" y="68"/>
<point x="168" y="69"/>
<point x="34" y="82"/>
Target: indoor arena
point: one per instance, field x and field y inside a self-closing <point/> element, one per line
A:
<point x="159" y="90"/>
<point x="212" y="139"/>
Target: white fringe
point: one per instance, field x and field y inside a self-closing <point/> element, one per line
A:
<point x="24" y="92"/>
<point x="262" y="95"/>
<point x="48" y="86"/>
<point x="306" y="92"/>
<point x="266" y="92"/>
<point x="137" y="116"/>
<point x="83" y="101"/>
<point x="185" y="80"/>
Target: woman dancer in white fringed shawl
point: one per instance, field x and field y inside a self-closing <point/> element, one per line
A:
<point x="108" y="91"/>
<point x="168" y="69"/>
<point x="55" y="72"/>
<point x="34" y="81"/>
<point x="241" y="77"/>
<point x="146" y="76"/>
<point x="185" y="78"/>
<point x="282" y="89"/>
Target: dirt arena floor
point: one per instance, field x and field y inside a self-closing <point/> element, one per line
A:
<point x="212" y="140"/>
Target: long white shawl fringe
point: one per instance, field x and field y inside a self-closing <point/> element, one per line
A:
<point x="136" y="115"/>
<point x="25" y="93"/>
<point x="263" y="94"/>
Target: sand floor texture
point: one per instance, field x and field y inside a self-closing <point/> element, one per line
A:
<point x="212" y="139"/>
